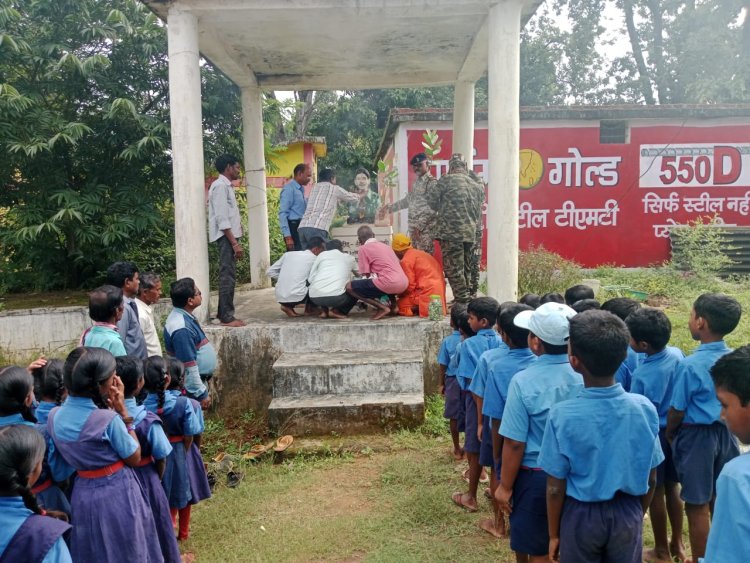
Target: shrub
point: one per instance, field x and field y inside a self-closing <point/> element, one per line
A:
<point x="541" y="271"/>
<point x="698" y="247"/>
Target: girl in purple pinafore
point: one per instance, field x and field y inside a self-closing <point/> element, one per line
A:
<point x="26" y="534"/>
<point x="155" y="448"/>
<point x="16" y="396"/>
<point x="111" y="516"/>
<point x="180" y="424"/>
<point x="199" y="486"/>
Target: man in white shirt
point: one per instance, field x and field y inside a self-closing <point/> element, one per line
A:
<point x="149" y="293"/>
<point x="290" y="272"/>
<point x="224" y="228"/>
<point x="321" y="207"/>
<point x="330" y="273"/>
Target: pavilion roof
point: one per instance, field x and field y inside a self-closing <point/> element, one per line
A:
<point x="344" y="44"/>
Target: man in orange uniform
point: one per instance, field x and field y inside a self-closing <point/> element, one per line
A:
<point x="425" y="278"/>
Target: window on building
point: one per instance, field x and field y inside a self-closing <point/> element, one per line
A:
<point x="614" y="131"/>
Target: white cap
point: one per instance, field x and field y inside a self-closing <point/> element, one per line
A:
<point x="549" y="322"/>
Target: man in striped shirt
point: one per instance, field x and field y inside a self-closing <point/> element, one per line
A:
<point x="321" y="206"/>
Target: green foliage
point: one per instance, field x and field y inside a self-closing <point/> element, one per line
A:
<point x="541" y="271"/>
<point x="432" y="143"/>
<point x="699" y="248"/>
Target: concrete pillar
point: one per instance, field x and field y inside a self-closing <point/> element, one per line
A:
<point x="191" y="237"/>
<point x="503" y="146"/>
<point x="255" y="175"/>
<point x="463" y="120"/>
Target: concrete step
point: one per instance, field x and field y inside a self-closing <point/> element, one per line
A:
<point x="323" y="373"/>
<point x="346" y="413"/>
<point x="352" y="334"/>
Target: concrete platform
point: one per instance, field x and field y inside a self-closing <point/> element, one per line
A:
<point x="346" y="413"/>
<point x="316" y="376"/>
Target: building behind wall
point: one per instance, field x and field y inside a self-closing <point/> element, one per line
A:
<point x="603" y="185"/>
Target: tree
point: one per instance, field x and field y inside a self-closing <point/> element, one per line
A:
<point x="83" y="116"/>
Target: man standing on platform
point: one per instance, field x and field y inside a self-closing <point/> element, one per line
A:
<point x="125" y="276"/>
<point x="457" y="198"/>
<point x="225" y="228"/>
<point x="149" y="293"/>
<point x="292" y="206"/>
<point x="421" y="216"/>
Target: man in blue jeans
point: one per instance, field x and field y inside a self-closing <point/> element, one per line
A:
<point x="292" y="206"/>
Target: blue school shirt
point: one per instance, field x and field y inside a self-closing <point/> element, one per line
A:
<point x="729" y="538"/>
<point x="196" y="408"/>
<point x="603" y="441"/>
<point x="531" y="393"/>
<point x="479" y="381"/>
<point x="13" y="513"/>
<point x="624" y="373"/>
<point x="447" y="350"/>
<point x="471" y="350"/>
<point x="654" y="379"/>
<point x="157" y="439"/>
<point x="189" y="421"/>
<point x="694" y="391"/>
<point x="72" y="416"/>
<point x="107" y="337"/>
<point x="42" y="411"/>
<point x="500" y="373"/>
<point x="59" y="468"/>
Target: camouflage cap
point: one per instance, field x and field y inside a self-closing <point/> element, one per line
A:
<point x="457" y="161"/>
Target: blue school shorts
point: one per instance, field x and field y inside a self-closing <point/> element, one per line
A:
<point x="471" y="442"/>
<point x="700" y="452"/>
<point x="602" y="531"/>
<point x="454" y="400"/>
<point x="485" y="448"/>
<point x="528" y="521"/>
<point x="665" y="471"/>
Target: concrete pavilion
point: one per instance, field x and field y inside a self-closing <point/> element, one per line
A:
<point x="337" y="45"/>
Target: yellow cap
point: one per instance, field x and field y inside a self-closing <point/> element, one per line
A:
<point x="401" y="242"/>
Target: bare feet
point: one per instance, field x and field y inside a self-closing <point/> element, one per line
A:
<point x="335" y="314"/>
<point x="483" y="478"/>
<point x="488" y="525"/>
<point x="654" y="556"/>
<point x="289" y="311"/>
<point x="235" y="323"/>
<point x="677" y="550"/>
<point x="323" y="315"/>
<point x="464" y="500"/>
<point x="382" y="312"/>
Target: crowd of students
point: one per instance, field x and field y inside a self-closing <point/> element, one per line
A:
<point x="586" y="419"/>
<point x="100" y="453"/>
<point x="91" y="473"/>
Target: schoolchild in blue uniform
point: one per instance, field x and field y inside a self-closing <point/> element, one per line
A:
<point x="650" y="331"/>
<point x="622" y="307"/>
<point x="155" y="448"/>
<point x="200" y="488"/>
<point x="729" y="538"/>
<point x="448" y="385"/>
<point x="701" y="441"/>
<point x="94" y="432"/>
<point x="482" y="316"/>
<point x="531" y="393"/>
<point x="16" y="395"/>
<point x="494" y="372"/>
<point x="26" y="533"/>
<point x="600" y="452"/>
<point x="106" y="310"/>
<point x="49" y="388"/>
<point x="180" y="424"/>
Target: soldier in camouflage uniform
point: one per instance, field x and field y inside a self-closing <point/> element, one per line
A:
<point x="476" y="254"/>
<point x="457" y="198"/>
<point x="421" y="216"/>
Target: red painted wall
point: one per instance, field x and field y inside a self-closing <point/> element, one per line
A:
<point x="612" y="203"/>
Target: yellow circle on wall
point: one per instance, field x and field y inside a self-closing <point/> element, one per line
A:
<point x="531" y="168"/>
